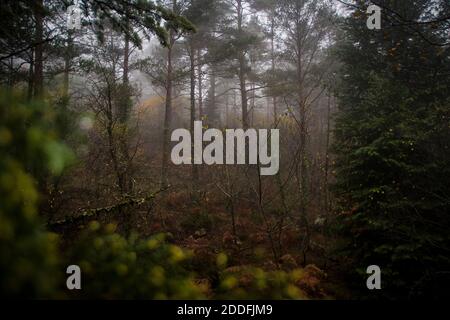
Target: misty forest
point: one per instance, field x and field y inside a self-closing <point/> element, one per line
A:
<point x="92" y="90"/>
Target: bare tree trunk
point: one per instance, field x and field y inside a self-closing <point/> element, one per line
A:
<point x="302" y="173"/>
<point x="38" y="55"/>
<point x="211" y="103"/>
<point x="126" y="55"/>
<point x="113" y="154"/>
<point x="268" y="226"/>
<point x="168" y="114"/>
<point x="31" y="76"/>
<point x="125" y="112"/>
<point x="253" y="103"/>
<point x="200" y="85"/>
<point x="231" y="204"/>
<point x="272" y="58"/>
<point x="242" y="72"/>
<point x="327" y="158"/>
<point x="67" y="62"/>
<point x="11" y="79"/>
<point x="243" y="89"/>
<point x="227" y="111"/>
<point x="167" y="120"/>
<point x="192" y="52"/>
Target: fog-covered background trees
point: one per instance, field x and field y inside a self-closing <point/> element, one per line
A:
<point x="86" y="120"/>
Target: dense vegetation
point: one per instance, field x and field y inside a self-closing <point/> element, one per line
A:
<point x="393" y="147"/>
<point x="86" y="116"/>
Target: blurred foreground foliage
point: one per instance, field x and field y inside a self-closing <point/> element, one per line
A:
<point x="255" y="283"/>
<point x="28" y="254"/>
<point x="33" y="261"/>
<point x="130" y="268"/>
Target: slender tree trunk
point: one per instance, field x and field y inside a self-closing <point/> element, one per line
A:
<point x="227" y="111"/>
<point x="167" y="120"/>
<point x="39" y="49"/>
<point x="66" y="78"/>
<point x="242" y="71"/>
<point x="168" y="113"/>
<point x="252" y="99"/>
<point x="31" y="76"/>
<point x="193" y="117"/>
<point x="11" y="79"/>
<point x="125" y="112"/>
<point x="200" y="85"/>
<point x="231" y="204"/>
<point x="272" y="58"/>
<point x="268" y="226"/>
<point x="327" y="157"/>
<point x="125" y="107"/>
<point x="303" y="165"/>
<point x="38" y="85"/>
<point x="67" y="63"/>
<point x="212" y="112"/>
<point x="243" y="89"/>
<point x="126" y="56"/>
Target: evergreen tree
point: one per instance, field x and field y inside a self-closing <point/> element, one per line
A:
<point x="393" y="142"/>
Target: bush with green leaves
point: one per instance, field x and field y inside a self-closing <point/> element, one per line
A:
<point x="250" y="282"/>
<point x="115" y="267"/>
<point x="28" y="254"/>
<point x="255" y="283"/>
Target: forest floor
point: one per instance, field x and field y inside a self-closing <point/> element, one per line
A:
<point x="204" y="227"/>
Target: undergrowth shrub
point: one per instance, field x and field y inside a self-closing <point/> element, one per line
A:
<point x="115" y="267"/>
<point x="28" y="254"/>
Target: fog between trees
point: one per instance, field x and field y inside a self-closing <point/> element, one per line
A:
<point x="87" y="116"/>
